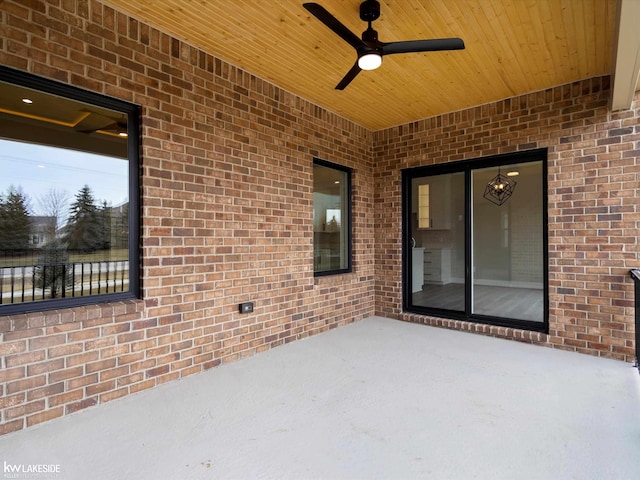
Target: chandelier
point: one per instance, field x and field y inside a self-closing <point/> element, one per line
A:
<point x="499" y="189"/>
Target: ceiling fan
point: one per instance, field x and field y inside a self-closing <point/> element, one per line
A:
<point x="95" y="121"/>
<point x="370" y="50"/>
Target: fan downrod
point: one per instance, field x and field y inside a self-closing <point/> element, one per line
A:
<point x="369" y="10"/>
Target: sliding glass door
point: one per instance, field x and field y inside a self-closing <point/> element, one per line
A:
<point x="438" y="241"/>
<point x="475" y="240"/>
<point x="508" y="244"/>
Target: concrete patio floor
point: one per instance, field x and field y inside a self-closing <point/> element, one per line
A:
<point x="376" y="399"/>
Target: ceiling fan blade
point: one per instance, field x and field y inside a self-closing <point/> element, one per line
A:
<point x="351" y="74"/>
<point x="109" y="126"/>
<point x="334" y="24"/>
<point x="88" y="124"/>
<point x="431" y="45"/>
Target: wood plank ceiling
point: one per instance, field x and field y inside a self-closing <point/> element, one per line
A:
<point x="512" y="47"/>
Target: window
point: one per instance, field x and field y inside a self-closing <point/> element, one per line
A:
<point x="331" y="218"/>
<point x="476" y="240"/>
<point x="68" y="196"/>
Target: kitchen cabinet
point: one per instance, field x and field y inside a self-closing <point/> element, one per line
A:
<point x="437" y="266"/>
<point x="433" y="203"/>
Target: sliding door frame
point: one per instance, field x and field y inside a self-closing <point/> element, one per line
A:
<point x="467" y="166"/>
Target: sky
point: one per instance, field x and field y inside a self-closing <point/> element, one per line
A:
<point x="36" y="169"/>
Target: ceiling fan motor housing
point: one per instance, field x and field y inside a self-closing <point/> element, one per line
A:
<point x="370" y="36"/>
<point x="369" y="10"/>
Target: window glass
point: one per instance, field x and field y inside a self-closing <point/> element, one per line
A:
<point x="507" y="239"/>
<point x="68" y="196"/>
<point x="331" y="218"/>
<point x="438" y="241"/>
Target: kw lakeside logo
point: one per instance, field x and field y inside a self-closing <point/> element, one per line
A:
<point x="32" y="470"/>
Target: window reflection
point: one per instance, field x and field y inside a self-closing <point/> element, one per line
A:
<point x="331" y="228"/>
<point x="66" y="195"/>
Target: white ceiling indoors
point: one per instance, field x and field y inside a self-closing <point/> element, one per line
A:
<point x="513" y="47"/>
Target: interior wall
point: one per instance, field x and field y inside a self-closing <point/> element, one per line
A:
<point x="593" y="193"/>
<point x="526" y="222"/>
<point x="227" y="217"/>
<point x="520" y="259"/>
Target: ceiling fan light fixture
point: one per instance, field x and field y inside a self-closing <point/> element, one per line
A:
<point x="369" y="49"/>
<point x="370" y="61"/>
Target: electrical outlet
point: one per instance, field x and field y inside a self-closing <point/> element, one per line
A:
<point x="246" y="307"/>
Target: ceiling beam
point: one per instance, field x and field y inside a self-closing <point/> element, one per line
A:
<point x="626" y="54"/>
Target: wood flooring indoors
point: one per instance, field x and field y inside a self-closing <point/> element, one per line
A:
<point x="506" y="302"/>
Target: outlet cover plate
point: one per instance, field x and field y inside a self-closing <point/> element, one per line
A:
<point x="246" y="307"/>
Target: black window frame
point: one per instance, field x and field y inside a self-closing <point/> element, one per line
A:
<point x="349" y="201"/>
<point x="467" y="166"/>
<point x="132" y="111"/>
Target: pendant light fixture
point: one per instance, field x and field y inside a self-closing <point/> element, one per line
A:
<point x="499" y="189"/>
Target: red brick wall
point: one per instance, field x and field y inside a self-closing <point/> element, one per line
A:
<point x="594" y="213"/>
<point x="227" y="195"/>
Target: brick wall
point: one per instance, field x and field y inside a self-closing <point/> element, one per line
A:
<point x="227" y="196"/>
<point x="594" y="212"/>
